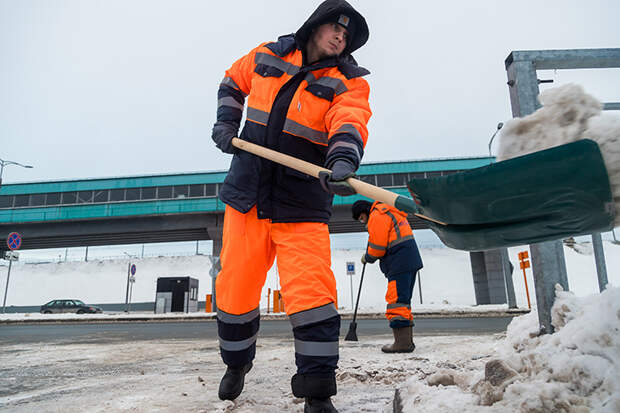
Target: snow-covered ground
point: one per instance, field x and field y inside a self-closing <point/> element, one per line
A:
<point x="574" y="370"/>
<point x="446" y="279"/>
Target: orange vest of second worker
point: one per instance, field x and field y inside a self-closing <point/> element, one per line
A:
<point x="390" y="240"/>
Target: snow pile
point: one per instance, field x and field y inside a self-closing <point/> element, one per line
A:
<point x="576" y="369"/>
<point x="568" y="114"/>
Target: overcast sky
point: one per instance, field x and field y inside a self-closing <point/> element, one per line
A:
<point x="116" y="88"/>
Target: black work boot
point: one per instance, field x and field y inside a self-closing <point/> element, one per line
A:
<point x="316" y="390"/>
<point x="403" y="341"/>
<point x="315" y="405"/>
<point x="231" y="384"/>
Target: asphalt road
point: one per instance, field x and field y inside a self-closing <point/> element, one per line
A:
<point x="134" y="331"/>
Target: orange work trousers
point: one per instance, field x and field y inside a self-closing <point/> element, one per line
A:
<point x="249" y="248"/>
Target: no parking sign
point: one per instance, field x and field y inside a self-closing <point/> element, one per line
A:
<point x="14" y="241"/>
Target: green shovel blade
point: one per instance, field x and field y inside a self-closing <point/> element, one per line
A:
<point x="546" y="195"/>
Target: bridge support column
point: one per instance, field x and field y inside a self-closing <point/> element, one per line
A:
<point x="215" y="269"/>
<point x="492" y="278"/>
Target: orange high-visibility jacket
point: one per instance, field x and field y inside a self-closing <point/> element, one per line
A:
<point x="317" y="113"/>
<point x="390" y="240"/>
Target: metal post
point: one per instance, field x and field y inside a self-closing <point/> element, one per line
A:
<point x="66" y="253"/>
<point x="549" y="269"/>
<point x="351" y="282"/>
<point x="142" y="256"/>
<point x="548" y="265"/>
<point x="613" y="232"/>
<point x="127" y="291"/>
<point x="507" y="269"/>
<point x="6" y="288"/>
<point x="86" y="255"/>
<point x="599" y="258"/>
<point x="420" y="285"/>
<point x="196" y="247"/>
<point x="130" y="292"/>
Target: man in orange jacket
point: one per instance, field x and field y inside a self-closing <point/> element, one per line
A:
<point x="306" y="97"/>
<point x="390" y="240"/>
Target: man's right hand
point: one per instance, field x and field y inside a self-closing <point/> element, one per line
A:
<point x="335" y="182"/>
<point x="222" y="136"/>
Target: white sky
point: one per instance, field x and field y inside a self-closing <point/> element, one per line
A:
<point x="108" y="88"/>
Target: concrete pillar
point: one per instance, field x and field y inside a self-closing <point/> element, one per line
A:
<point x="479" y="273"/>
<point x="492" y="278"/>
<point x="508" y="271"/>
<point x="495" y="276"/>
<point x="216" y="267"/>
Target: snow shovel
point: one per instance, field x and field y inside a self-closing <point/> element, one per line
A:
<point x="370" y="191"/>
<point x="352" y="334"/>
<point x="546" y="195"/>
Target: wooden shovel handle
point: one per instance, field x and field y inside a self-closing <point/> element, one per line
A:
<point x="361" y="187"/>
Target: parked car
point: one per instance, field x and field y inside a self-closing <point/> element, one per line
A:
<point x="68" y="306"/>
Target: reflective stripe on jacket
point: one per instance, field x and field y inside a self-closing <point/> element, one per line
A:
<point x="390" y="240"/>
<point x="317" y="113"/>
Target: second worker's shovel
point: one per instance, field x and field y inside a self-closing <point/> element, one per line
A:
<point x="352" y="334"/>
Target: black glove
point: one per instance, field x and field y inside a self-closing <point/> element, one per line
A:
<point x="335" y="182"/>
<point x="222" y="136"/>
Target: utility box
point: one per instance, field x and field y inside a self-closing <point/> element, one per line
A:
<point x="176" y="295"/>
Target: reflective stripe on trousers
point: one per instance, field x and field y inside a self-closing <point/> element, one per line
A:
<point x="316" y="339"/>
<point x="237" y="335"/>
<point x="398" y="298"/>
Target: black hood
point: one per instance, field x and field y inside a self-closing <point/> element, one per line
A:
<point x="328" y="11"/>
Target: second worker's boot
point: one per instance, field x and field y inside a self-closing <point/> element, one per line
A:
<point x="232" y="382"/>
<point x="403" y="341"/>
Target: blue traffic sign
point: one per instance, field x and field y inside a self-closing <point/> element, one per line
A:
<point x="133" y="269"/>
<point x="350" y="268"/>
<point x="14" y="241"/>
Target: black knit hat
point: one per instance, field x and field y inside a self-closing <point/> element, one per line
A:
<point x="341" y="12"/>
<point x="360" y="207"/>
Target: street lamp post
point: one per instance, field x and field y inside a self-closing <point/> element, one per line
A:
<point x="127" y="289"/>
<point x="4" y="162"/>
<point x="499" y="126"/>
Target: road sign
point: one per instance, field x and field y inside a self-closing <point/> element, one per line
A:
<point x="14" y="241"/>
<point x="524" y="263"/>
<point x="132" y="279"/>
<point x="11" y="255"/>
<point x="350" y="268"/>
<point x="133" y="269"/>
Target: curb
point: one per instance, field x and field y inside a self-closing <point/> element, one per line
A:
<point x="264" y="317"/>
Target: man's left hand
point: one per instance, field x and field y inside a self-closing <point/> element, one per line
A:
<point x="364" y="259"/>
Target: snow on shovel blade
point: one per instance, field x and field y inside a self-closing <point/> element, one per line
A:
<point x="546" y="195"/>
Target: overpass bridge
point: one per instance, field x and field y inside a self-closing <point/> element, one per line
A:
<point x="167" y="208"/>
<point x="186" y="207"/>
